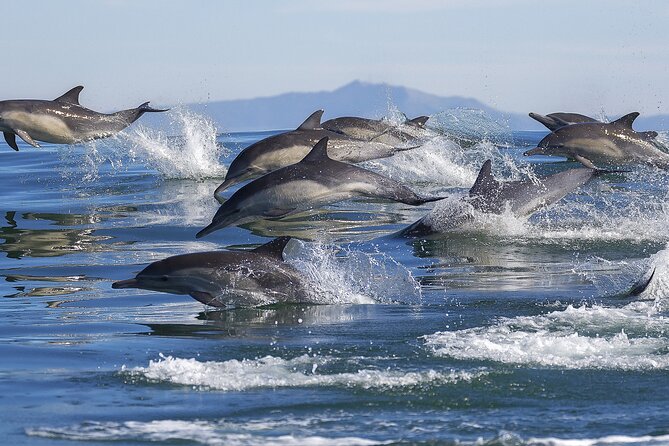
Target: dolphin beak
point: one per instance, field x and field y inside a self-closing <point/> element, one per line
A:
<point x="208" y="230"/>
<point x="226" y="184"/>
<point x="535" y="151"/>
<point x="129" y="283"/>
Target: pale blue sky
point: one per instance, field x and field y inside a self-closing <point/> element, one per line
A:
<point x="516" y="55"/>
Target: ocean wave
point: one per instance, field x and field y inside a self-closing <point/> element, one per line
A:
<point x="273" y="372"/>
<point x="202" y="432"/>
<point x="630" y="338"/>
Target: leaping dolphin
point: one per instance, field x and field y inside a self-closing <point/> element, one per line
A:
<point x="226" y="278"/>
<point x="411" y="131"/>
<point x="61" y="121"/>
<point x="522" y="198"/>
<point x="315" y="181"/>
<point x="289" y="148"/>
<point x="602" y="144"/>
<point x="554" y="121"/>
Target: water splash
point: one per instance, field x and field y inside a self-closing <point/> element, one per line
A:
<point x="193" y="154"/>
<point x="349" y="276"/>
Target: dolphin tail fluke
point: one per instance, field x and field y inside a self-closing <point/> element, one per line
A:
<point x="642" y="284"/>
<point x="134" y="114"/>
<point x="145" y="108"/>
<point x="549" y="122"/>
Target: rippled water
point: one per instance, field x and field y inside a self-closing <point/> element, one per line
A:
<point x="507" y="331"/>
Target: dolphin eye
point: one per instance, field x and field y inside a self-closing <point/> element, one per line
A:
<point x="164" y="279"/>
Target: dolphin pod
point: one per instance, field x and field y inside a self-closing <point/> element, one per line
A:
<point x="311" y="166"/>
<point x="288" y="148"/>
<point x="313" y="182"/>
<point x="522" y="198"/>
<point x="598" y="144"/>
<point x="62" y="120"/>
<point x="225" y="278"/>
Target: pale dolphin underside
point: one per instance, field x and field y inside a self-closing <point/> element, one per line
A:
<point x="61" y="121"/>
<point x="315" y="181"/>
<point x="522" y="198"/>
<point x="226" y="278"/>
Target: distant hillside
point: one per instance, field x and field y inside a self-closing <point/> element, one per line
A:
<point x="354" y="99"/>
<point x="357" y="98"/>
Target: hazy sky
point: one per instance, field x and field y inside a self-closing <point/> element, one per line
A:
<point x="515" y="55"/>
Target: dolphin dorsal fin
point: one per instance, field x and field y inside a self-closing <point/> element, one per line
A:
<point x="312" y="122"/>
<point x="485" y="181"/>
<point x="71" y="97"/>
<point x="419" y="121"/>
<point x="627" y="120"/>
<point x="274" y="248"/>
<point x="319" y="153"/>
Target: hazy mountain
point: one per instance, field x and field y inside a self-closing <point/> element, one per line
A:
<point x="357" y="98"/>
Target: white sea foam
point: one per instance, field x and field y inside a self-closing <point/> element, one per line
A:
<point x="202" y="432"/>
<point x="615" y="440"/>
<point x="273" y="372"/>
<point x="630" y="338"/>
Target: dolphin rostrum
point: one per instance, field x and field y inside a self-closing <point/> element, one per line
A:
<point x="61" y="121"/>
<point x="554" y="121"/>
<point x="226" y="278"/>
<point x="411" y="131"/>
<point x="600" y="144"/>
<point x="522" y="198"/>
<point x="289" y="148"/>
<point x="315" y="181"/>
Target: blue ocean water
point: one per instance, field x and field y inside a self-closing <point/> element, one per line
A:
<point x="509" y="331"/>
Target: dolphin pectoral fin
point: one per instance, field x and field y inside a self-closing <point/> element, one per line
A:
<point x="277" y="212"/>
<point x="205" y="298"/>
<point x="26" y="137"/>
<point x="586" y="162"/>
<point x="11" y="140"/>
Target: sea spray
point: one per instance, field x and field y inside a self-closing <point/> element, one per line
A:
<point x="349" y="276"/>
<point x="194" y="153"/>
<point x="187" y="149"/>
